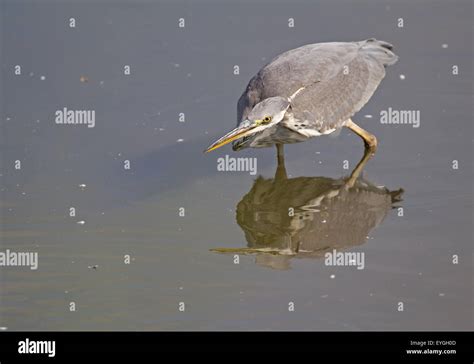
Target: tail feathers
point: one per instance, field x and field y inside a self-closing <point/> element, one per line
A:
<point x="380" y="50"/>
<point x="397" y="195"/>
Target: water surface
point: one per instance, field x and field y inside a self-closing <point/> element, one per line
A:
<point x="136" y="212"/>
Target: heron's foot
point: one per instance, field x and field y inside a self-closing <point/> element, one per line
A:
<point x="370" y="140"/>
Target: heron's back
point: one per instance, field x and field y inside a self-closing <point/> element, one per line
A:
<point x="339" y="78"/>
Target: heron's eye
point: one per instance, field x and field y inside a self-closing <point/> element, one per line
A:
<point x="267" y="119"/>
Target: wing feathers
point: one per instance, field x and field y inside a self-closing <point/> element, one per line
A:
<point x="338" y="79"/>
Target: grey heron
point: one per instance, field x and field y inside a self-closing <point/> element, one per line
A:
<point x="309" y="91"/>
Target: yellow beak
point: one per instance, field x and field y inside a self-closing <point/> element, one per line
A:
<point x="237" y="133"/>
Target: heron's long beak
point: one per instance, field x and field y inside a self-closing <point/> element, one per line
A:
<point x="237" y="133"/>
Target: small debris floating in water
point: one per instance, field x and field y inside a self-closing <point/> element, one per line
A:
<point x="82" y="186"/>
<point x="180" y="140"/>
<point x="93" y="266"/>
<point x="42" y="78"/>
<point x="444" y="45"/>
<point x="332" y="276"/>
<point x="82" y="222"/>
<point x="83" y="79"/>
<point x="402" y="77"/>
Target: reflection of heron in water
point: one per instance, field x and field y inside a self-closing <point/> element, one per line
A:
<point x="309" y="216"/>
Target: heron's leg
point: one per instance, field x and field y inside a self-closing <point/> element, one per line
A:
<point x="358" y="169"/>
<point x="281" y="170"/>
<point x="280" y="154"/>
<point x="370" y="140"/>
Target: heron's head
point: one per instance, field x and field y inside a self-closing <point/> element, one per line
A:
<point x="264" y="115"/>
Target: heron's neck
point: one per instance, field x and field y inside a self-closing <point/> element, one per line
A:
<point x="289" y="117"/>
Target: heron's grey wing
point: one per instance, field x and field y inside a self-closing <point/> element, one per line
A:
<point x="349" y="86"/>
<point x="339" y="78"/>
